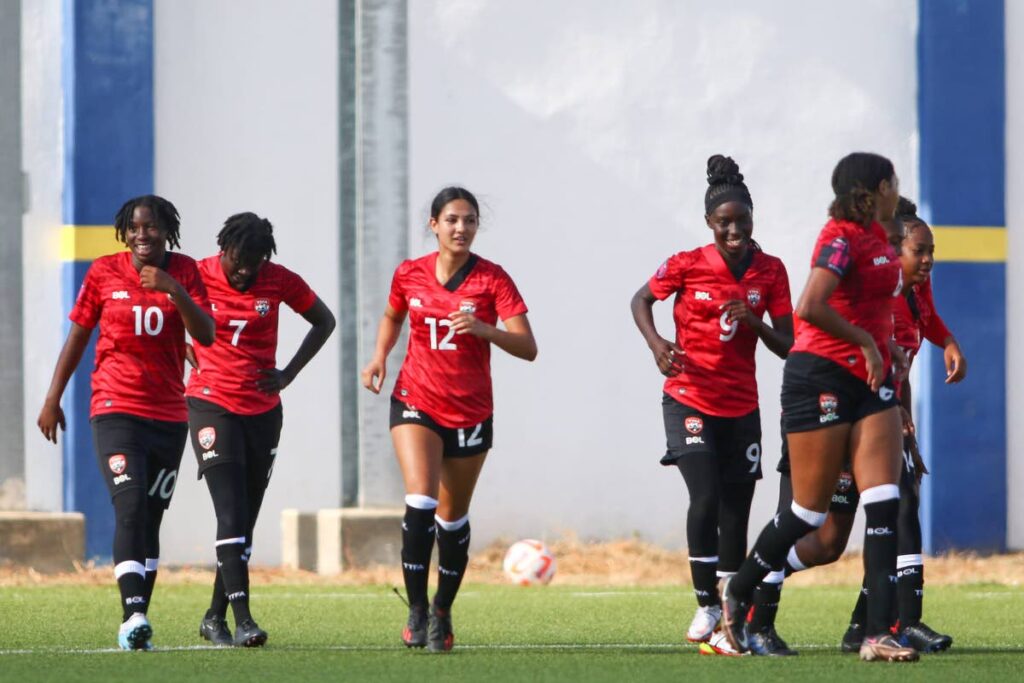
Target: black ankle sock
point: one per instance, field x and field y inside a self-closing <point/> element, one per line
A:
<point x="417" y="544"/>
<point x="880" y="563"/>
<point x="910" y="591"/>
<point x="770" y="551"/>
<point x="452" y="558"/>
<point x="765" y="606"/>
<point x="705" y="582"/>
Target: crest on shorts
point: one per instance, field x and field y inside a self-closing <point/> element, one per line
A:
<point x="845" y="482"/>
<point x="828" y="403"/>
<point x="117" y="463"/>
<point x="207" y="436"/>
<point x="693" y="424"/>
<point x="262" y="306"/>
<point x="754" y="297"/>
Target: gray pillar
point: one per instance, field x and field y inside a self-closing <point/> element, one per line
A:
<point x="374" y="230"/>
<point x="12" y="455"/>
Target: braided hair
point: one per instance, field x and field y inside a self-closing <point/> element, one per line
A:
<point x="164" y="213"/>
<point x="855" y="182"/>
<point x="247" y="235"/>
<point x="725" y="184"/>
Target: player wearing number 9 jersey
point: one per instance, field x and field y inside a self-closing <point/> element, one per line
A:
<point x="234" y="406"/>
<point x="710" y="403"/>
<point x="441" y="408"/>
<point x="144" y="300"/>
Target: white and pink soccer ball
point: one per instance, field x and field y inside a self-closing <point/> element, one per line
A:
<point x="529" y="563"/>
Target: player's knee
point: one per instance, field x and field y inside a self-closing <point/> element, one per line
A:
<point x="130" y="511"/>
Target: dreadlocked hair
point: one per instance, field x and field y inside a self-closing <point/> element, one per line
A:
<point x="725" y="184"/>
<point x="247" y="235"/>
<point x="164" y="213"/>
<point x="855" y="182"/>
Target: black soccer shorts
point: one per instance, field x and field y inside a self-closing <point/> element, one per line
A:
<point x="459" y="442"/>
<point x="735" y="441"/>
<point x="221" y="436"/>
<point x="138" y="452"/>
<point x="818" y="393"/>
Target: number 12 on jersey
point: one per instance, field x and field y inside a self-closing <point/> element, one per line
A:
<point x="446" y="343"/>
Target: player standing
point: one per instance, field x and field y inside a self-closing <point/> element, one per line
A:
<point x="710" y="402"/>
<point x="144" y="300"/>
<point x="234" y="403"/>
<point x="442" y="408"/>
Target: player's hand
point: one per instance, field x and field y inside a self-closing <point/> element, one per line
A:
<point x="908" y="422"/>
<point x="915" y="456"/>
<point x="668" y="357"/>
<point x="374" y="374"/>
<point x="49" y="418"/>
<point x="875" y="367"/>
<point x="464" y="322"/>
<point x="151" y="277"/>
<point x="272" y="381"/>
<point x="190" y="356"/>
<point x="900" y="364"/>
<point x="956" y="364"/>
<point x="739" y="311"/>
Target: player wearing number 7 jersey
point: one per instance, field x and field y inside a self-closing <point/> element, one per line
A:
<point x="234" y="406"/>
<point x="143" y="299"/>
<point x="441" y="408"/>
<point x="710" y="403"/>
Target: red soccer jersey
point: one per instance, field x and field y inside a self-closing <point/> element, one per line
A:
<point x="246" y="335"/>
<point x="869" y="277"/>
<point x="905" y="318"/>
<point x="932" y="326"/>
<point x="446" y="375"/>
<point x="718" y="375"/>
<point x="140" y="353"/>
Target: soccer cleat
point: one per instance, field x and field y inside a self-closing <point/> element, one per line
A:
<point x="135" y="633"/>
<point x="439" y="630"/>
<point x="248" y="634"/>
<point x="705" y="621"/>
<point x="734" y="618"/>
<point x="852" y="639"/>
<point x="922" y="638"/>
<point x="885" y="648"/>
<point x="718" y="644"/>
<point x="415" y="632"/>
<point x="215" y="630"/>
<point x="768" y="643"/>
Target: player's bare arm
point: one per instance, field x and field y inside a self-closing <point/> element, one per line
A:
<point x="387" y="335"/>
<point x="667" y="355"/>
<point x="516" y="339"/>
<point x="322" y="324"/>
<point x="51" y="414"/>
<point x="198" y="323"/>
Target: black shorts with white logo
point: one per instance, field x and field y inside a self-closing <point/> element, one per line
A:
<point x="221" y="436"/>
<point x="818" y="393"/>
<point x="735" y="441"/>
<point x="459" y="442"/>
<point x="136" y="452"/>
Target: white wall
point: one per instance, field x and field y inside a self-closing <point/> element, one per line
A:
<point x="585" y="128"/>
<point x="1015" y="275"/>
<point x="247" y="120"/>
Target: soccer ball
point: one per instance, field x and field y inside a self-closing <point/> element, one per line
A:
<point x="529" y="563"/>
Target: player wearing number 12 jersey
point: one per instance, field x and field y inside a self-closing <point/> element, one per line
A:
<point x="710" y="404"/>
<point x="143" y="301"/>
<point x="234" y="407"/>
<point x="441" y="408"/>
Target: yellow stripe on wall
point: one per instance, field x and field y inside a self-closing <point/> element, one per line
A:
<point x="962" y="244"/>
<point x="88" y="242"/>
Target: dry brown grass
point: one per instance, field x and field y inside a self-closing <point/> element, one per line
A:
<point x="627" y="562"/>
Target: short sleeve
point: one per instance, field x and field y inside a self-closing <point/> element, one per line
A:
<point x="832" y="253"/>
<point x="396" y="298"/>
<point x="89" y="303"/>
<point x="670" y="277"/>
<point x="193" y="283"/>
<point x="932" y="326"/>
<point x="507" y="300"/>
<point x="295" y="292"/>
<point x="780" y="302"/>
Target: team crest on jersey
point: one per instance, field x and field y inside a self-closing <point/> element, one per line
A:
<point x="467" y="307"/>
<point x="845" y="482"/>
<point x="117" y="463"/>
<point x="828" y="403"/>
<point x="754" y="297"/>
<point x="662" y="270"/>
<point x="207" y="436"/>
<point x="693" y="424"/>
<point x="262" y="306"/>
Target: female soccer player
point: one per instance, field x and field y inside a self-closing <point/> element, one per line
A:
<point x="144" y="300"/>
<point x="710" y="403"/>
<point x="234" y="403"/>
<point x="441" y="408"/>
<point x="839" y="400"/>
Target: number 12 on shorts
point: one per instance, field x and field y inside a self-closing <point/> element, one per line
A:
<point x="474" y="438"/>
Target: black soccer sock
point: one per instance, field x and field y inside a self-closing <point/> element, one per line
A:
<point x="417" y="544"/>
<point x="219" y="599"/>
<point x="154" y="517"/>
<point x="766" y="602"/>
<point x="131" y="583"/>
<point x="150" y="579"/>
<point x="860" y="609"/>
<point x="130" y="549"/>
<point x="452" y="558"/>
<point x="881" y="509"/>
<point x="910" y="589"/>
<point x="234" y="571"/>
<point x="703" y="571"/>
<point x="771" y="547"/>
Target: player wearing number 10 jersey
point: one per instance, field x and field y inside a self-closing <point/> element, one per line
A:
<point x="234" y="407"/>
<point x="710" y="404"/>
<point x="441" y="406"/>
<point x="143" y="300"/>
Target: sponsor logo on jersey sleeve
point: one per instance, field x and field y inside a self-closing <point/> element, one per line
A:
<point x="262" y="306"/>
<point x="207" y="436"/>
<point x="117" y="463"/>
<point x="702" y="296"/>
<point x="693" y="424"/>
<point x="662" y="270"/>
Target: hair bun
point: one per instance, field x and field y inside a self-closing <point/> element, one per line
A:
<point x="722" y="170"/>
